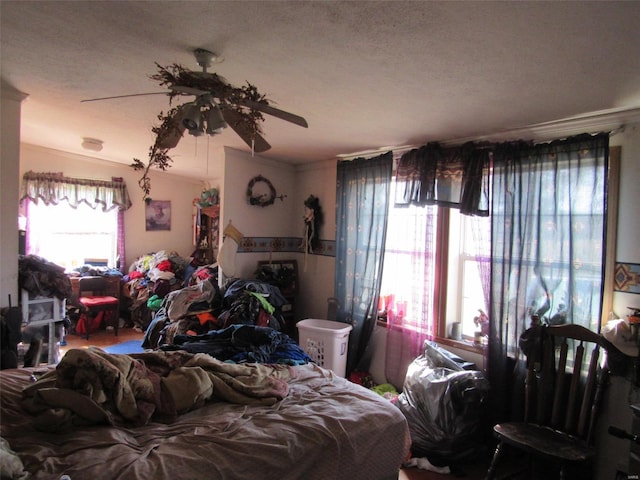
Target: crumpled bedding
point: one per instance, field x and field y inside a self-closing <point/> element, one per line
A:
<point x="90" y="386"/>
<point x="325" y="428"/>
<point x="10" y="463"/>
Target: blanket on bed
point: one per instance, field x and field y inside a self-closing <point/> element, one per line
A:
<point x="90" y="386"/>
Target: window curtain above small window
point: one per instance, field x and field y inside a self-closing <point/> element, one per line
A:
<point x="455" y="177"/>
<point x="53" y="188"/>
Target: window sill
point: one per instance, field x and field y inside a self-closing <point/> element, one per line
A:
<point x="462" y="345"/>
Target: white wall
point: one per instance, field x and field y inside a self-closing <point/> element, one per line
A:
<point x="180" y="191"/>
<point x="613" y="453"/>
<point x="317" y="272"/>
<point x="10" y="111"/>
<point x="628" y="232"/>
<point x="277" y="220"/>
<point x="283" y="219"/>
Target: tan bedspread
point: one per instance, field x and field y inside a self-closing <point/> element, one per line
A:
<point x="325" y="428"/>
<point x="92" y="386"/>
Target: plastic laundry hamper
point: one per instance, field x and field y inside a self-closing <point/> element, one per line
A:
<point x="326" y="342"/>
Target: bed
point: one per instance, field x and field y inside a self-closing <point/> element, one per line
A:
<point x="323" y="427"/>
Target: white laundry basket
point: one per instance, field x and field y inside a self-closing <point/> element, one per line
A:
<point x="326" y="342"/>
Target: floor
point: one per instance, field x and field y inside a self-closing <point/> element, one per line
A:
<point x="468" y="472"/>
<point x="104" y="338"/>
<point x="100" y="338"/>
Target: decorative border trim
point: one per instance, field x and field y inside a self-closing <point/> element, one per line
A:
<point x="325" y="248"/>
<point x="626" y="278"/>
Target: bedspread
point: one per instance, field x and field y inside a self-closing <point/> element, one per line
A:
<point x="325" y="428"/>
<point x="92" y="386"/>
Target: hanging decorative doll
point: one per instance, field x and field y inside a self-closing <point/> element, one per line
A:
<point x="312" y="223"/>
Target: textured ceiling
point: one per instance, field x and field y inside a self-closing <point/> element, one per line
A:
<point x="365" y="75"/>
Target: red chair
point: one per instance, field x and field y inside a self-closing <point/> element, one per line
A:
<point x="98" y="303"/>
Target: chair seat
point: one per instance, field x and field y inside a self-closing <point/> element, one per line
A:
<point x="545" y="441"/>
<point x="98" y="301"/>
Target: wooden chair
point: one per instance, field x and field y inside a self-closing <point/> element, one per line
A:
<point x="562" y="399"/>
<point x="96" y="296"/>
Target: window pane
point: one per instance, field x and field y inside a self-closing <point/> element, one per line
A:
<point x="409" y="264"/>
<point x="66" y="236"/>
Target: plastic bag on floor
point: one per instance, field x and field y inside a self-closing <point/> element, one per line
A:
<point x="443" y="400"/>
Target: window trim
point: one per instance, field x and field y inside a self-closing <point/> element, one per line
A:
<point x="613" y="191"/>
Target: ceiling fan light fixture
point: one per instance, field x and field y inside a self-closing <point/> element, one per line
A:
<point x="215" y="121"/>
<point x="197" y="132"/>
<point x="192" y="118"/>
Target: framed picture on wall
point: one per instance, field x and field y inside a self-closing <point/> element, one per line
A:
<point x="158" y="215"/>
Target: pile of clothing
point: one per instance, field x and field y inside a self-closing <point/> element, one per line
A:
<point x="152" y="277"/>
<point x="198" y="309"/>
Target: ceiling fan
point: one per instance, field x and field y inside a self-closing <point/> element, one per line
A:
<point x="217" y="104"/>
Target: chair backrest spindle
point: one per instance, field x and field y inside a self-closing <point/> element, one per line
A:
<point x="570" y="420"/>
<point x="558" y="410"/>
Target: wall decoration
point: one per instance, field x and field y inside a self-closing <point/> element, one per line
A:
<point x="261" y="192"/>
<point x="158" y="215"/>
<point x="312" y="222"/>
<point x="627" y="277"/>
<point x="270" y="245"/>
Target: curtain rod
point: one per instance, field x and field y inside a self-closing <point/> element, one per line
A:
<point x="613" y="120"/>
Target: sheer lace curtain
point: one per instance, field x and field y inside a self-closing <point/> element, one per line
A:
<point x="409" y="286"/>
<point x="54" y="188"/>
<point x="548" y="245"/>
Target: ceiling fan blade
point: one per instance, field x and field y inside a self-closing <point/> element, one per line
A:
<point x="276" y="112"/>
<point x="171" y="137"/>
<point x="188" y="90"/>
<point x="124" y="96"/>
<point x="255" y="141"/>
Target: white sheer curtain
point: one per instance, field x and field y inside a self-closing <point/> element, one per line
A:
<point x="408" y="285"/>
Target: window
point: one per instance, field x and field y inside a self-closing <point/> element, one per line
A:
<point x="71" y="219"/>
<point x="468" y="264"/>
<point x="432" y="272"/>
<point x="67" y="236"/>
<point x="409" y="268"/>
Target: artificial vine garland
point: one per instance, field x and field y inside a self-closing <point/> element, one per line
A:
<point x="263" y="200"/>
<point x="228" y="97"/>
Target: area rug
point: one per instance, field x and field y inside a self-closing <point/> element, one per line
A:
<point x="130" y="346"/>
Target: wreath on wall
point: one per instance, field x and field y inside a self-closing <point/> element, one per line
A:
<point x="261" y="200"/>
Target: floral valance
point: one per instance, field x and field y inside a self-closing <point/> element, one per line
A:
<point x="456" y="177"/>
<point x="53" y="188"/>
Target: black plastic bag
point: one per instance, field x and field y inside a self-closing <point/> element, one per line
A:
<point x="443" y="400"/>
